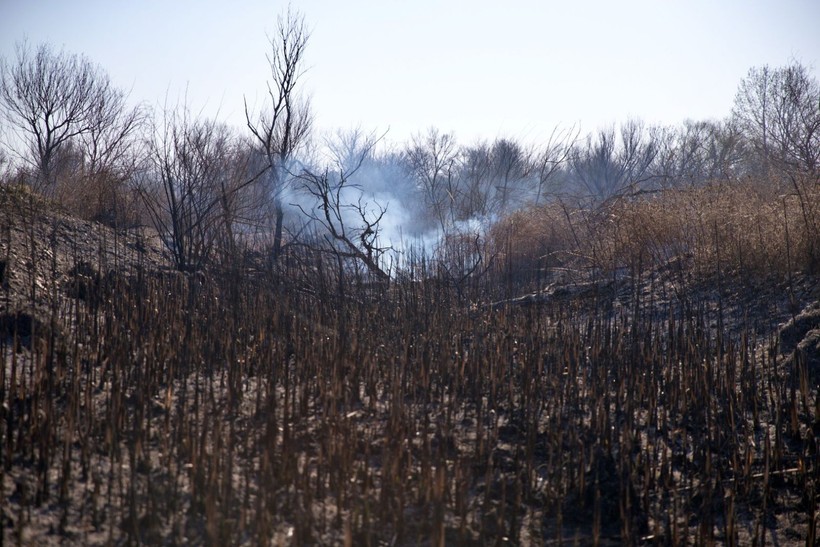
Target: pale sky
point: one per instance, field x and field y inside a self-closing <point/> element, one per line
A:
<point x="481" y="69"/>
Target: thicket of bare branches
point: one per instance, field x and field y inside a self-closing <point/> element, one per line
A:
<point x="213" y="194"/>
<point x="779" y="112"/>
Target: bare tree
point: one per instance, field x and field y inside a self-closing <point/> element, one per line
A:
<point x="699" y="152"/>
<point x="491" y="179"/>
<point x="476" y="182"/>
<point x="185" y="186"/>
<point x="552" y="157"/>
<point x="243" y="203"/>
<point x="110" y="153"/>
<point x="51" y="98"/>
<point x="432" y="160"/>
<point x="511" y="165"/>
<point x="779" y="111"/>
<point x="611" y="163"/>
<point x="280" y="129"/>
<point x="350" y="225"/>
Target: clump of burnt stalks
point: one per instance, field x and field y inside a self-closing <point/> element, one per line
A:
<point x="312" y="404"/>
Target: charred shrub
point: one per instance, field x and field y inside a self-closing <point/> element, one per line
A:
<point x="22" y="327"/>
<point x="83" y="281"/>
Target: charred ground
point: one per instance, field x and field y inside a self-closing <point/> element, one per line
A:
<point x="663" y="402"/>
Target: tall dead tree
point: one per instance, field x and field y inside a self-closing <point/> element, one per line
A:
<point x="283" y="125"/>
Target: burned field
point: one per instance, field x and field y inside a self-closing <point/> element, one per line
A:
<point x="311" y="405"/>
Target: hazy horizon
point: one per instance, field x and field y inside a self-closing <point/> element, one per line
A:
<point x="477" y="69"/>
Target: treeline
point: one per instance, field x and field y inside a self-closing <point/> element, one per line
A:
<point x="215" y="192"/>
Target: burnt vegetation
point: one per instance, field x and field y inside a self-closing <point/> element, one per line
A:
<point x="612" y="339"/>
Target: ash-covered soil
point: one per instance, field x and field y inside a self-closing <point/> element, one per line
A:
<point x="45" y="252"/>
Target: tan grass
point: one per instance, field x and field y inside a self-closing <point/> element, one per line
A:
<point x="745" y="228"/>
